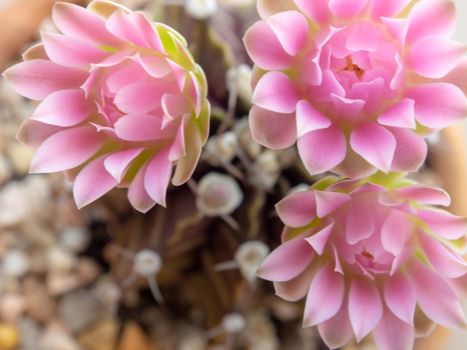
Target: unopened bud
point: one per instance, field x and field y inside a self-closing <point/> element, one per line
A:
<point x="201" y="9"/>
<point x="249" y="257"/>
<point x="233" y="323"/>
<point x="147" y="263"/>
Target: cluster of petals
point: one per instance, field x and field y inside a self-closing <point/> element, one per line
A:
<point x="358" y="83"/>
<point x="122" y="102"/>
<point x="371" y="259"/>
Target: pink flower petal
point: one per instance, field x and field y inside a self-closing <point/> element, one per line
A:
<point x="327" y="202"/>
<point x="337" y="331"/>
<point x="322" y="150"/>
<point x="137" y="194"/>
<point x="69" y="51"/>
<point x="309" y="118"/>
<point x="434" y="56"/>
<point x="297" y="209"/>
<point x="139" y="127"/>
<point x="430" y="287"/>
<point x="365" y="307"/>
<point x="458" y="76"/>
<point x="121" y="25"/>
<point x="385" y="8"/>
<point x="178" y="149"/>
<point x="297" y="288"/>
<point x="347" y="9"/>
<point x="324" y="297"/>
<point x="400" y="115"/>
<point x="360" y="223"/>
<point x="264" y="48"/>
<point x="273" y="130"/>
<point x="347" y="108"/>
<point x="174" y="105"/>
<point x="66" y="150"/>
<point x="36" y="79"/>
<point x="63" y="108"/>
<point x="155" y="66"/>
<point x="431" y="17"/>
<point x="287" y="261"/>
<point x="157" y="177"/>
<point x="411" y="150"/>
<point x="393" y="334"/>
<point x="395" y="231"/>
<point x="291" y="29"/>
<point x="425" y="195"/>
<point x="400" y="298"/>
<point x="317" y="10"/>
<point x="141" y="97"/>
<point x="33" y="133"/>
<point x="444" y="260"/>
<point x="374" y="143"/>
<point x="186" y="165"/>
<point x="319" y="239"/>
<point x="118" y="163"/>
<point x="444" y="223"/>
<point x="276" y="92"/>
<point x="397" y="27"/>
<point x="92" y="183"/>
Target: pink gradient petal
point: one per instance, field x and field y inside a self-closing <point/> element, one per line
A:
<point x="411" y="150"/>
<point x="63" y="108"/>
<point x="375" y="143"/>
<point x="178" y="149"/>
<point x="430" y="287"/>
<point x="36" y="79"/>
<point x="385" y="8"/>
<point x="395" y="231"/>
<point x="324" y="297"/>
<point x="365" y="307"/>
<point x="137" y="194"/>
<point x="322" y="150"/>
<point x="347" y="108"/>
<point x="264" y="47"/>
<point x="297" y="209"/>
<point x="337" y="331"/>
<point x="444" y="223"/>
<point x="431" y="17"/>
<point x="393" y="334"/>
<point x="136" y="127"/>
<point x="276" y="92"/>
<point x="69" y="51"/>
<point x="360" y="223"/>
<point x="291" y="29"/>
<point x="121" y="25"/>
<point x="425" y="195"/>
<point x="273" y="130"/>
<point x="92" y="183"/>
<point x="434" y="56"/>
<point x="33" y="133"/>
<point x="397" y="27"/>
<point x="118" y="163"/>
<point x="309" y="118"/>
<point x="155" y="66"/>
<point x="317" y="10"/>
<point x="328" y="202"/>
<point x="297" y="288"/>
<point x="347" y="9"/>
<point x="400" y="115"/>
<point x="287" y="261"/>
<point x="443" y="259"/>
<point x="400" y="298"/>
<point x="458" y="76"/>
<point x="319" y="239"/>
<point x="141" y="97"/>
<point x="157" y="177"/>
<point x="174" y="105"/>
<point x="66" y="150"/>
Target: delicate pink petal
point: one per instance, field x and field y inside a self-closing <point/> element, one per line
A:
<point x="363" y="37"/>
<point x="276" y="92"/>
<point x="264" y="48"/>
<point x="393" y="334"/>
<point x="309" y="118"/>
<point x="337" y="331"/>
<point x="118" y="163"/>
<point x="445" y="261"/>
<point x="194" y="91"/>
<point x="327" y="202"/>
<point x="436" y="297"/>
<point x="69" y="51"/>
<point x="174" y="105"/>
<point x="347" y="9"/>
<point x="92" y="183"/>
<point x="444" y="223"/>
<point x="137" y="194"/>
<point x="146" y="31"/>
<point x="297" y="288"/>
<point x="458" y="76"/>
<point x="36" y="79"/>
<point x="317" y="9"/>
<point x="319" y="239"/>
<point x="374" y="143"/>
<point x="395" y="231"/>
<point x="347" y="108"/>
<point x="141" y="97"/>
<point x="425" y="195"/>
<point x="66" y="149"/>
<point x="120" y="25"/>
<point x="385" y="8"/>
<point x="399" y="296"/>
<point x="431" y="17"/>
<point x="397" y="27"/>
<point x="287" y="261"/>
<point x="33" y="133"/>
<point x="365" y="307"/>
<point x="291" y="29"/>
<point x="411" y="150"/>
<point x="136" y="127"/>
<point x="63" y="108"/>
<point x="273" y="130"/>
<point x="360" y="222"/>
<point x="400" y="115"/>
<point x="324" y="297"/>
<point x="155" y="66"/>
<point x="434" y="56"/>
<point x="322" y="150"/>
<point x="157" y="177"/>
<point x="178" y="149"/>
<point x="297" y="209"/>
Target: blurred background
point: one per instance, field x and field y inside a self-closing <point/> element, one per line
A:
<point x="67" y="278"/>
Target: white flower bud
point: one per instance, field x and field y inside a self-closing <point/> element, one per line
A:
<point x="233" y="323"/>
<point x="201" y="9"/>
<point x="266" y="170"/>
<point x="240" y="76"/>
<point x="218" y="195"/>
<point x="147" y="263"/>
<point x="249" y="257"/>
<point x="221" y="148"/>
<point x="242" y="129"/>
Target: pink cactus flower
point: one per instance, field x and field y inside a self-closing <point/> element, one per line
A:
<point x="370" y="259"/>
<point x="358" y="83"/>
<point x="122" y="101"/>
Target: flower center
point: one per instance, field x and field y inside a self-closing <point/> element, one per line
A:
<point x="352" y="67"/>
